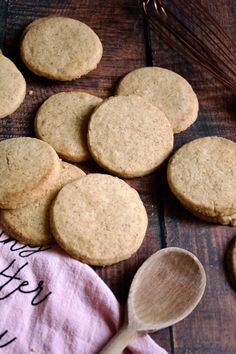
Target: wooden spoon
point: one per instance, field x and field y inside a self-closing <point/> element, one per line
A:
<point x="165" y="290"/>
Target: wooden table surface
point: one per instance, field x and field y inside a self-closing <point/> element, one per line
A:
<point x="128" y="44"/>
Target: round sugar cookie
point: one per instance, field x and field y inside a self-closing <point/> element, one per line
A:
<point x="60" y="48"/>
<point x="202" y="175"/>
<point x="28" y="167"/>
<point x="62" y="121"/>
<point x="12" y="87"/>
<point x="166" y="90"/>
<point x="229" y="220"/>
<point x="30" y="224"/>
<point x="129" y="137"/>
<point x="98" y="219"/>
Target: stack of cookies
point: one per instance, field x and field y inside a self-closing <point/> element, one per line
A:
<point x="131" y="134"/>
<point x="99" y="218"/>
<point x="96" y="218"/>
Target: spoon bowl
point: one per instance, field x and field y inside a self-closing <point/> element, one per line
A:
<point x="165" y="290"/>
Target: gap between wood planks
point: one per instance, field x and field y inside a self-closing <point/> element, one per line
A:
<point x="163" y="239"/>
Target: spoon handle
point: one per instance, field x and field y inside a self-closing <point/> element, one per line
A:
<point x="120" y="340"/>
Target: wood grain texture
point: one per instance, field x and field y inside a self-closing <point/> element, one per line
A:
<point x="121" y="30"/>
<point x="120" y="25"/>
<point x="166" y="287"/>
<point x="211" y="327"/>
<point x="3" y="18"/>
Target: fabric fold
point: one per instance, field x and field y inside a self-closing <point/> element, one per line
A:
<point x="51" y="303"/>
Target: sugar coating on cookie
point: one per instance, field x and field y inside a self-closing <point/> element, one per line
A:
<point x="12" y="87"/>
<point x="202" y="175"/>
<point x="60" y="48"/>
<point x="28" y="167"/>
<point x="62" y="121"/>
<point x="30" y="224"/>
<point x="166" y="90"/>
<point x="99" y="219"/>
<point x="129" y="137"/>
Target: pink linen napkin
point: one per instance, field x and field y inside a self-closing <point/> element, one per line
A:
<point x="53" y="304"/>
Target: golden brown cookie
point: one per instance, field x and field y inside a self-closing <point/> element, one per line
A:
<point x="202" y="175"/>
<point x="166" y="90"/>
<point x="28" y="167"/>
<point x="129" y="137"/>
<point x="219" y="219"/>
<point x="60" y="48"/>
<point x="12" y="87"/>
<point x="231" y="262"/>
<point x="62" y="121"/>
<point x="98" y="219"/>
<point x="30" y="224"/>
<point x="34" y="23"/>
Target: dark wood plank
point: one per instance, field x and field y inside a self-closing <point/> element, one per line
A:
<point x="3" y="18"/>
<point x="211" y="327"/>
<point x="121" y="29"/>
